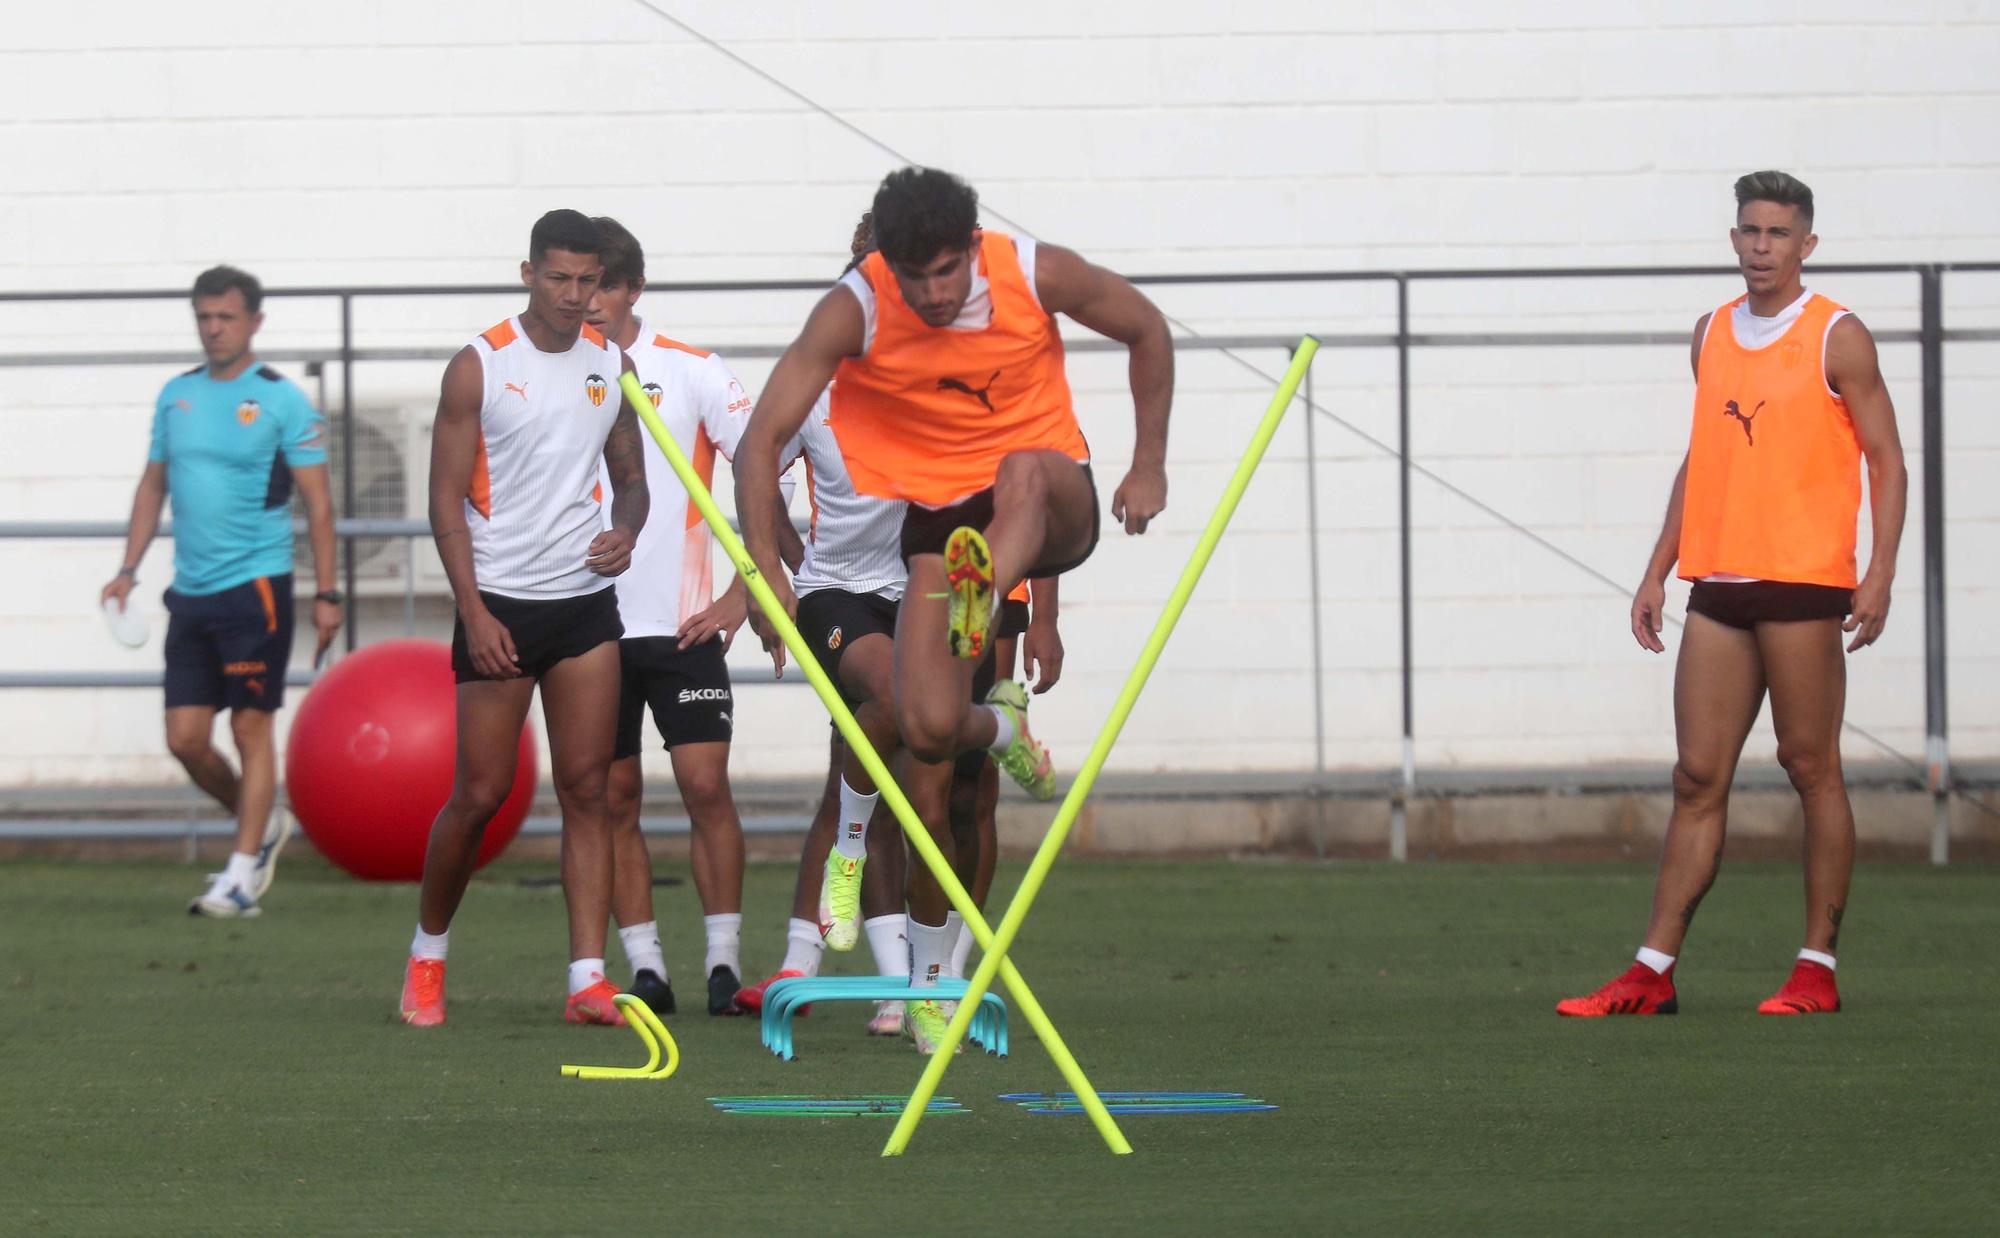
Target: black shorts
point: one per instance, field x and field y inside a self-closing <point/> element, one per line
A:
<point x="1013" y="620"/>
<point x="927" y="529"/>
<point x="545" y="630"/>
<point x="688" y="690"/>
<point x="230" y="650"/>
<point x="1747" y="603"/>
<point x="832" y="619"/>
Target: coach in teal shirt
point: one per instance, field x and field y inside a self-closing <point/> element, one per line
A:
<point x="230" y="447"/>
<point x="231" y="438"/>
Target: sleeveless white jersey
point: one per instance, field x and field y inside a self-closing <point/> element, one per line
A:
<point x="856" y="542"/>
<point x="706" y="409"/>
<point x="534" y="504"/>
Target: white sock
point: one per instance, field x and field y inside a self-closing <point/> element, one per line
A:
<point x="583" y="973"/>
<point x="1658" y="960"/>
<point x="1003" y="731"/>
<point x="804" y="948"/>
<point x="241" y="868"/>
<point x="725" y="942"/>
<point x="954" y="932"/>
<point x="855" y="808"/>
<point x="429" y="945"/>
<point x="642" y="948"/>
<point x="961" y="950"/>
<point x="892" y="948"/>
<point x="928" y="952"/>
<point x="1817" y="956"/>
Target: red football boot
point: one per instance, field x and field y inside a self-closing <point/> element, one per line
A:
<point x="1809" y="991"/>
<point x="1640" y="990"/>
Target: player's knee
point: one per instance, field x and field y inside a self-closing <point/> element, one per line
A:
<point x="621" y="799"/>
<point x="579" y="784"/>
<point x="1021" y="479"/>
<point x="1809" y="767"/>
<point x="187" y="744"/>
<point x="929" y="737"/>
<point x="705" y="791"/>
<point x="250" y="727"/>
<point x="477" y="799"/>
<point x="1698" y="785"/>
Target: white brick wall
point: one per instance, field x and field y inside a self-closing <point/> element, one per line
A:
<point x="385" y="143"/>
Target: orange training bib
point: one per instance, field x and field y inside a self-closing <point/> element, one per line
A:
<point x="1774" y="471"/>
<point x="927" y="413"/>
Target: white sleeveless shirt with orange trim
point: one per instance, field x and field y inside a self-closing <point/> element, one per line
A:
<point x="705" y="408"/>
<point x="534" y="505"/>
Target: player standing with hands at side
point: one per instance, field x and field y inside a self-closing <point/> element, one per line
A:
<point x="1789" y="405"/>
<point x="526" y="413"/>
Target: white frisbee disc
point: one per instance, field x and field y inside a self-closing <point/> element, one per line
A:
<point x="127" y="625"/>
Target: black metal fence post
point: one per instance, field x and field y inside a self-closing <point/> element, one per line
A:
<point x="347" y="436"/>
<point x="1318" y="619"/>
<point x="1399" y="809"/>
<point x="1937" y="756"/>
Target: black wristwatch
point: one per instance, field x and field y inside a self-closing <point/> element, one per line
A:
<point x="334" y="596"/>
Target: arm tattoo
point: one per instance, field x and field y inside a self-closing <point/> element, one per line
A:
<point x="625" y="461"/>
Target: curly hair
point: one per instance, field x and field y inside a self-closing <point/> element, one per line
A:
<point x="1780" y="187"/>
<point x="922" y="212"/>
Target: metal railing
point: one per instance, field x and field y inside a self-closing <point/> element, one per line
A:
<point x="1931" y="336"/>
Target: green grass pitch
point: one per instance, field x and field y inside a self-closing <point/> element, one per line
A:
<point x="172" y="1075"/>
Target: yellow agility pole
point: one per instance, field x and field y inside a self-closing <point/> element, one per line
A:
<point x="892" y="795"/>
<point x="1045" y="855"/>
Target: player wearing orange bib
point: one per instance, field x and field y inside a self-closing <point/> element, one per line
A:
<point x="950" y="393"/>
<point x="1789" y="403"/>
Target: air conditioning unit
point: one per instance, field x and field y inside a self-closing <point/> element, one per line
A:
<point x="392" y="455"/>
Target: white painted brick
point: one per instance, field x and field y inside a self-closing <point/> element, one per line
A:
<point x="1655" y="64"/>
<point x="1873" y="133"/>
<point x="1152" y="137"/>
<point x="1486" y="66"/>
<point x="1955" y="60"/>
<point x="1387" y="67"/>
<point x="1441" y="139"/>
<point x="1593" y="139"/>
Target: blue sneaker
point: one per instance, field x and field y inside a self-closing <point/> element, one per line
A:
<point x="277" y="832"/>
<point x="225" y="900"/>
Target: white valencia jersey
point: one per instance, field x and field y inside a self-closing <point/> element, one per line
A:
<point x="856" y="542"/>
<point x="534" y="505"/>
<point x="706" y="409"/>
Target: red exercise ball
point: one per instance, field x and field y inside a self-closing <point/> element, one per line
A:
<point x="369" y="762"/>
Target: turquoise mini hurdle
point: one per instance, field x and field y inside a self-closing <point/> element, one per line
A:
<point x="786" y="998"/>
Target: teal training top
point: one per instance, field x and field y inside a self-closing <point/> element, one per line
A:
<point x="230" y="449"/>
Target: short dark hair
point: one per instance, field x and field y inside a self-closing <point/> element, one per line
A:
<point x="624" y="262"/>
<point x="922" y="212"/>
<point x="220" y="279"/>
<point x="566" y="230"/>
<point x="1780" y="187"/>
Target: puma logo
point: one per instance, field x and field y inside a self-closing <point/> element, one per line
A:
<point x="520" y="390"/>
<point x="977" y="393"/>
<point x="1733" y="409"/>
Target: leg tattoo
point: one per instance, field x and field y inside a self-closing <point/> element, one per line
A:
<point x="1834" y="912"/>
<point x="1714" y="870"/>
